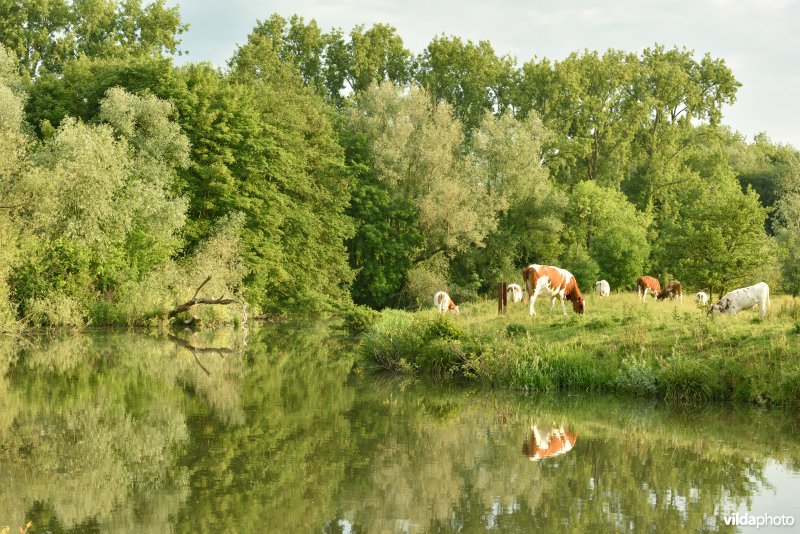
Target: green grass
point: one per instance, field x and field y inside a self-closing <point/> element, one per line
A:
<point x="656" y="349"/>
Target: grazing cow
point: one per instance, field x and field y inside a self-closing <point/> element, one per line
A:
<point x="514" y="293"/>
<point x="673" y="289"/>
<point x="554" y="283"/>
<point x="444" y="303"/>
<point x="647" y="284"/>
<point x="743" y="299"/>
<point x="701" y="298"/>
<point x="557" y="441"/>
<point x="602" y="288"/>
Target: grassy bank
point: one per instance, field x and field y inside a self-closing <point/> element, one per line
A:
<point x="664" y="350"/>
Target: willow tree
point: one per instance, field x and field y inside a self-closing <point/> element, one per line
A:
<point x="13" y="145"/>
<point x="415" y="148"/>
<point x="528" y="205"/>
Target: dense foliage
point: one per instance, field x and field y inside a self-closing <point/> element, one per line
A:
<point x="322" y="168"/>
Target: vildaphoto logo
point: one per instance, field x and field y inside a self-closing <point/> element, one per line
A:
<point x="761" y="520"/>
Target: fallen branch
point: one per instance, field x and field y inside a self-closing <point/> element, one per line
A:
<point x="195" y="300"/>
<point x="200" y="350"/>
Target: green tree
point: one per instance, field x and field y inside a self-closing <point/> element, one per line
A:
<point x="97" y="208"/>
<point x="387" y="239"/>
<point x="415" y="148"/>
<point x="471" y="77"/>
<point x="290" y="182"/>
<point x="46" y="35"/>
<point x="621" y="253"/>
<point x="787" y="220"/>
<point x="589" y="101"/>
<point x="712" y="245"/>
<point x="678" y="92"/>
<point x="377" y="55"/>
<point x="603" y="222"/>
<point x="508" y="153"/>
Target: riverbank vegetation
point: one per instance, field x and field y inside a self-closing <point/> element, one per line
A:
<point x="321" y="169"/>
<point x="655" y="349"/>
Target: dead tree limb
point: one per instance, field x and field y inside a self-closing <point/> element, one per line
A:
<point x="195" y="300"/>
<point x="200" y="350"/>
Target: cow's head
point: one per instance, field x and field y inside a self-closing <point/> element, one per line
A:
<point x="579" y="305"/>
<point x="662" y="295"/>
<point x="719" y="307"/>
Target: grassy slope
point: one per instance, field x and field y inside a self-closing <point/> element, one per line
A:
<point x="663" y="349"/>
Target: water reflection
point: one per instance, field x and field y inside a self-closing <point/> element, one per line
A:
<point x="555" y="441"/>
<point x="213" y="432"/>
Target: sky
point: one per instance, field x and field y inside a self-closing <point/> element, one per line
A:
<point x="758" y="39"/>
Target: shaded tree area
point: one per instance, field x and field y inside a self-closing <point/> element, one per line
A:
<point x="345" y="168"/>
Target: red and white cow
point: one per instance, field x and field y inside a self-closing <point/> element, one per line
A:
<point x="557" y="441"/>
<point x="514" y="293"/>
<point x="553" y="282"/>
<point x="673" y="289"/>
<point x="602" y="288"/>
<point x="648" y="284"/>
<point x="743" y="299"/>
<point x="444" y="303"/>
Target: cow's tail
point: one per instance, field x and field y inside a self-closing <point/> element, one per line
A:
<point x="525" y="271"/>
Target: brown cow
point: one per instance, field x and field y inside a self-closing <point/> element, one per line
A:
<point x="557" y="441"/>
<point x="673" y="289"/>
<point x="554" y="283"/>
<point x="645" y="284"/>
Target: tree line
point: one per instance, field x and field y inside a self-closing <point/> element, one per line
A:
<point x="317" y="169"/>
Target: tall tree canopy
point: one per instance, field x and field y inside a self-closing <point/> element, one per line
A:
<point x="46" y="35"/>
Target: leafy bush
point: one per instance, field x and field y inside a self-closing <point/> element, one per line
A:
<point x="358" y="319"/>
<point x="636" y="377"/>
<point x="424" y="281"/>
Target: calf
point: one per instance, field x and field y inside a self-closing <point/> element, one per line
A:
<point x="673" y="289"/>
<point x="743" y="299"/>
<point x="602" y="288"/>
<point x="648" y="284"/>
<point x="514" y="293"/>
<point x="555" y="283"/>
<point x="444" y="303"/>
<point x="701" y="298"/>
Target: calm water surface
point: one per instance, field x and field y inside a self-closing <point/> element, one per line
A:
<point x="273" y="431"/>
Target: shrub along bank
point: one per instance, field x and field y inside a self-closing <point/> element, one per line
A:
<point x="656" y="349"/>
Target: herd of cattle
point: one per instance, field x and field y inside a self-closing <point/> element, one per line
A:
<point x="559" y="284"/>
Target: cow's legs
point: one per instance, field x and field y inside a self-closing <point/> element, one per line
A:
<point x="563" y="308"/>
<point x="533" y="301"/>
<point x="639" y="290"/>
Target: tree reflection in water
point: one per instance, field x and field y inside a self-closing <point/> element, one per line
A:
<point x="126" y="432"/>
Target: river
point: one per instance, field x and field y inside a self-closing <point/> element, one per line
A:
<point x="276" y="430"/>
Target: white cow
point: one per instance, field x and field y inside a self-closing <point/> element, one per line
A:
<point x="701" y="298"/>
<point x="743" y="299"/>
<point x="444" y="303"/>
<point x="514" y="293"/>
<point x="602" y="288"/>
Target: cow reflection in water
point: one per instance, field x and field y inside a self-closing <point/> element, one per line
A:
<point x="539" y="446"/>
